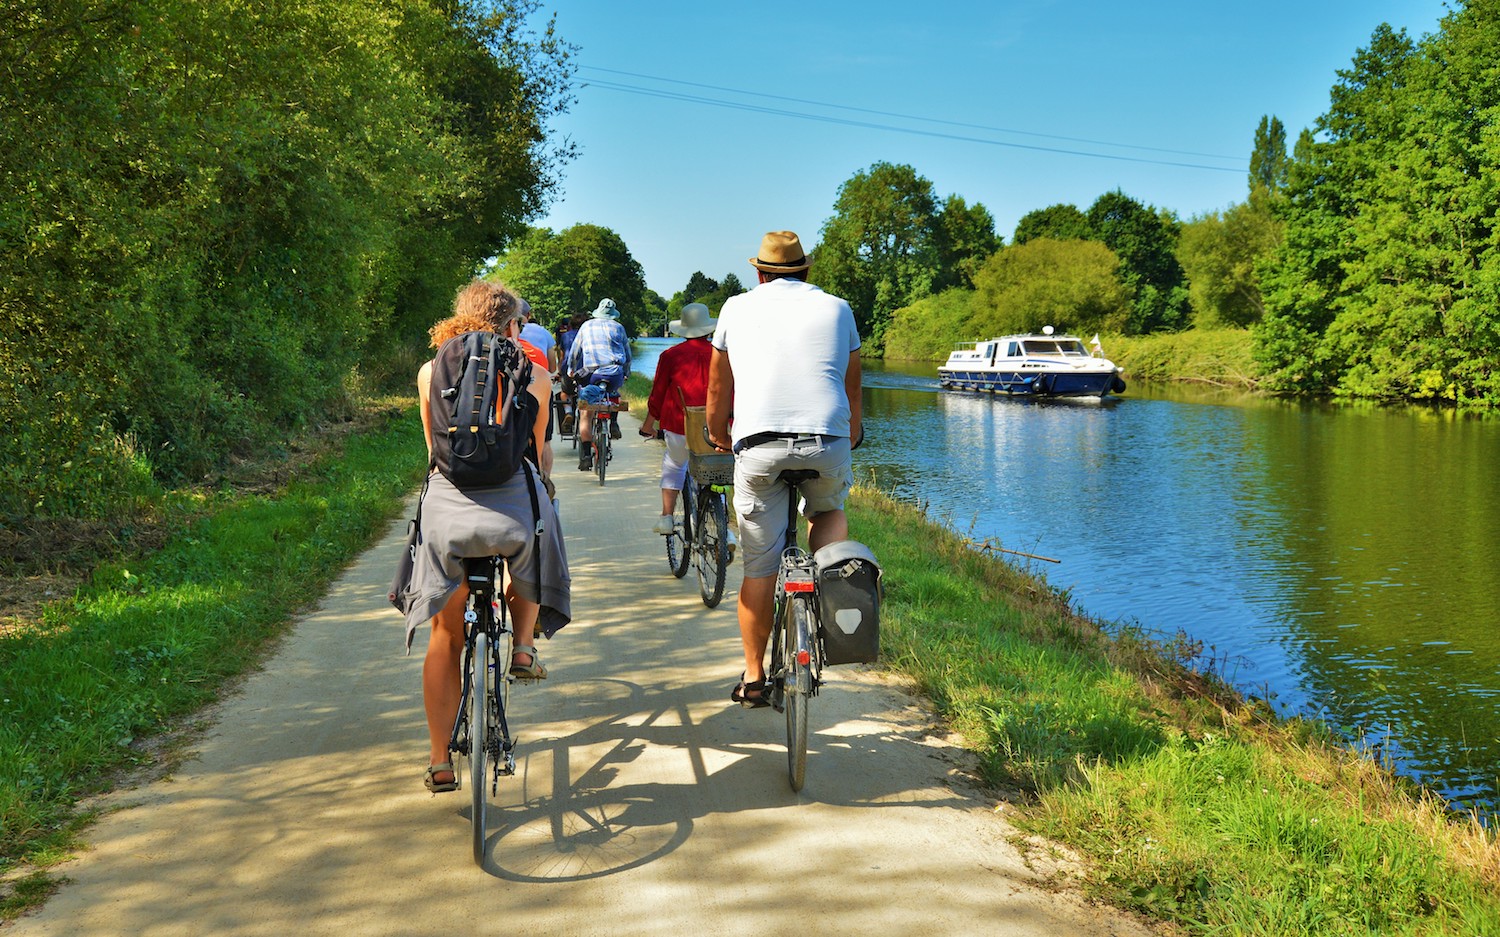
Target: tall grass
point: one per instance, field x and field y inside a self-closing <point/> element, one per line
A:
<point x="1221" y="357"/>
<point x="1188" y="805"/>
<point x="149" y="641"/>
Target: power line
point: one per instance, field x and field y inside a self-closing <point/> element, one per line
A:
<point x="842" y="121"/>
<point x="618" y="86"/>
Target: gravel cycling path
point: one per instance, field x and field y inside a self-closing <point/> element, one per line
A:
<point x="644" y="803"/>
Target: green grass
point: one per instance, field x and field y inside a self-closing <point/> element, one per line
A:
<point x="149" y="642"/>
<point x="1220" y="357"/>
<point x="1188" y="804"/>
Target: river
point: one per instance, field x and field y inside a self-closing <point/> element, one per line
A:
<point x="1336" y="560"/>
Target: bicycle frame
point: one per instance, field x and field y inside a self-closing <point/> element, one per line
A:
<point x="484" y="737"/>
<point x="794" y="662"/>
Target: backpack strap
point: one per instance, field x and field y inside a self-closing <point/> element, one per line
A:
<point x="537" y="527"/>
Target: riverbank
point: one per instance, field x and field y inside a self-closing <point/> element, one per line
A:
<point x="1217" y="357"/>
<point x="1184" y="802"/>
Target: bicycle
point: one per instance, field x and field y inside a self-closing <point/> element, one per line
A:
<point x="680" y="541"/>
<point x="560" y="414"/>
<point x="603" y="417"/>
<point x="481" y="732"/>
<point x="794" y="664"/>
<point x="700" y="536"/>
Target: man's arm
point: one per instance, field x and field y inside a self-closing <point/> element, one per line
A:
<point x="853" y="388"/>
<point x="575" y="350"/>
<point x="720" y="399"/>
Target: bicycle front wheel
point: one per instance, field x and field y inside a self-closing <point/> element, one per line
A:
<point x="712" y="542"/>
<point x="479" y="740"/>
<point x="679" y="541"/>
<point x="798" y="686"/>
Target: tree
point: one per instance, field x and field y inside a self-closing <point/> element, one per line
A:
<point x="698" y="285"/>
<point x="877" y="251"/>
<point x="255" y="199"/>
<point x="965" y="238"/>
<point x="1220" y="254"/>
<point x="706" y="290"/>
<point x="929" y="328"/>
<point x="1058" y="222"/>
<point x="1268" y="161"/>
<point x="1072" y="285"/>
<point x="560" y="274"/>
<point x="1145" y="242"/>
<point x="1388" y="281"/>
<point x="888" y="244"/>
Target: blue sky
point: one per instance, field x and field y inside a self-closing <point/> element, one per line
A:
<point x="1166" y="96"/>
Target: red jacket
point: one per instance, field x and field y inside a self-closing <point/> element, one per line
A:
<point x="682" y="366"/>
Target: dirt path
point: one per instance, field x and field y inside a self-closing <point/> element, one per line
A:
<point x="644" y="803"/>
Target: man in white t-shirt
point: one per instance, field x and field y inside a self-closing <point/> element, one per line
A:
<point x="785" y="365"/>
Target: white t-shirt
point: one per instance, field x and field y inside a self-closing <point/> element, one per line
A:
<point x="789" y="344"/>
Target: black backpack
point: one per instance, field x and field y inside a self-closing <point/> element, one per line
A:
<point x="476" y="376"/>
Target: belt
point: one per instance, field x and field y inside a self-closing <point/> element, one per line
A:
<point x="760" y="439"/>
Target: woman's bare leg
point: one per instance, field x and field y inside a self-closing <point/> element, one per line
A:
<point x="442" y="683"/>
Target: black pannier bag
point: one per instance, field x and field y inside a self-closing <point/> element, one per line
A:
<point x="849" y="602"/>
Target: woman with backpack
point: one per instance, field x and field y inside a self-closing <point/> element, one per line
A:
<point x="461" y="517"/>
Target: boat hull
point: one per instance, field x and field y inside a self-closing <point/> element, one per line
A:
<point x="1032" y="383"/>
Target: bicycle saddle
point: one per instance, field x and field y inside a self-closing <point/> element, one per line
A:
<point x="793" y="476"/>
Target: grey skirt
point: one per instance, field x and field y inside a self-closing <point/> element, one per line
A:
<point x="488" y="522"/>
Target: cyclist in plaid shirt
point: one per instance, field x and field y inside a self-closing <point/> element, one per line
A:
<point x="600" y="355"/>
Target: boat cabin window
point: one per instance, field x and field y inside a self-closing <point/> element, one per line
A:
<point x="1051" y="347"/>
<point x="1014" y="351"/>
<point x="989" y="350"/>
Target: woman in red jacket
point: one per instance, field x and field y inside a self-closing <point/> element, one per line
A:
<point x="682" y="367"/>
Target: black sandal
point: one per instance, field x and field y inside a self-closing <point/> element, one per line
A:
<point x="742" y="691"/>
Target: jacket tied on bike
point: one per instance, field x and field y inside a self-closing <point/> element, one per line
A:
<point x="488" y="522"/>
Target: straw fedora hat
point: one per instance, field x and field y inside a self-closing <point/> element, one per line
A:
<point x="695" y="322"/>
<point x="781" y="252"/>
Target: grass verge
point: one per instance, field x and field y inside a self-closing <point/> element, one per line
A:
<point x="1187" y="804"/>
<point x="149" y="641"/>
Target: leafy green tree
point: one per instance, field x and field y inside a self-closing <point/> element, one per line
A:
<point x="1058" y="222"/>
<point x="1268" y="159"/>
<point x="930" y="327"/>
<point x="878" y="251"/>
<point x="1388" y="281"/>
<point x="890" y="243"/>
<point x="572" y="271"/>
<point x="248" y="200"/>
<point x="698" y="285"/>
<point x="1145" y="241"/>
<point x="1219" y="254"/>
<point x="1071" y="285"/>
<point x="965" y="238"/>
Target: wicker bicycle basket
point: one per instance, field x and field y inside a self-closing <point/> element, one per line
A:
<point x="716" y="469"/>
<point x="708" y="465"/>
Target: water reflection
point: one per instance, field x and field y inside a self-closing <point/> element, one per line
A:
<point x="1336" y="559"/>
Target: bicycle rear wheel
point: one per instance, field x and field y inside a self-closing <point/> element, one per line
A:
<point x="601" y="448"/>
<point x="559" y="413"/>
<point x="680" y="540"/>
<point x="711" y="541"/>
<point x="798" y="686"/>
<point x="479" y="739"/>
